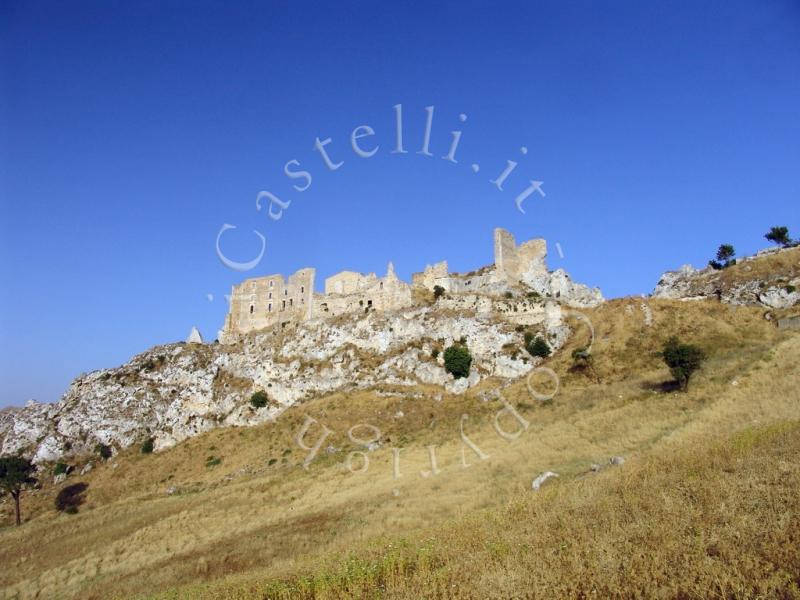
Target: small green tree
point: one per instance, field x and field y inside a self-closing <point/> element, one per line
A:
<point x="780" y="236"/>
<point x="457" y="360"/>
<point x="683" y="360"/>
<point x="536" y="346"/>
<point x="15" y="474"/>
<point x="148" y="446"/>
<point x="725" y="254"/>
<point x="259" y="399"/>
<point x="438" y="292"/>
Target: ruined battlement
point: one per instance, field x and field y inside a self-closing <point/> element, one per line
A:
<point x="261" y="302"/>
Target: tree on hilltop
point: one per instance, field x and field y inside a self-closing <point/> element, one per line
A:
<point x="725" y="254"/>
<point x="780" y="236"/>
<point x="15" y="474"/>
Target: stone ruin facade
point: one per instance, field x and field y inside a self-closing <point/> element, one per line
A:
<point x="263" y="302"/>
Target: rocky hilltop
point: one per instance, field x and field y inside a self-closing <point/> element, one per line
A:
<point x="176" y="391"/>
<point x="770" y="278"/>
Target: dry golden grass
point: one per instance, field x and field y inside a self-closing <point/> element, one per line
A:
<point x="720" y="519"/>
<point x="245" y="526"/>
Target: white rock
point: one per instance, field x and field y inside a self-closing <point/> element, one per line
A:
<point x="539" y="481"/>
<point x="194" y="336"/>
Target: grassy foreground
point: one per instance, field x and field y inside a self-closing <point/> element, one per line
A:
<point x="719" y="519"/>
<point x="704" y="506"/>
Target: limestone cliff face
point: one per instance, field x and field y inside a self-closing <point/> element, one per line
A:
<point x="770" y="278"/>
<point x="176" y="391"/>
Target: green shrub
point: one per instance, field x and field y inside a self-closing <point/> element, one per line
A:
<point x="148" y="445"/>
<point x="438" y="292"/>
<point x="60" y="468"/>
<point x="790" y="289"/>
<point x="508" y="295"/>
<point x="457" y="360"/>
<point x="259" y="399"/>
<point x="213" y="461"/>
<point x="537" y="346"/>
<point x="683" y="360"/>
<point x="104" y="451"/>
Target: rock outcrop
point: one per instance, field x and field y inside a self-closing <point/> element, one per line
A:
<point x="770" y="278"/>
<point x="172" y="392"/>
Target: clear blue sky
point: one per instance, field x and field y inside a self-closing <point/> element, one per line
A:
<point x="130" y="132"/>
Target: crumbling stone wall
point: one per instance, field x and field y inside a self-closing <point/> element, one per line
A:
<point x="264" y="301"/>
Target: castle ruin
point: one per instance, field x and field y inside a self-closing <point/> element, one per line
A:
<point x="262" y="302"/>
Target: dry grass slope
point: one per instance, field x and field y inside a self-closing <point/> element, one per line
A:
<point x="718" y="520"/>
<point x="698" y="509"/>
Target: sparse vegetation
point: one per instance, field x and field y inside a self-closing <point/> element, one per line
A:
<point x="259" y="399"/>
<point x="457" y="360"/>
<point x="435" y="353"/>
<point x="104" y="451"/>
<point x="583" y="361"/>
<point x="148" y="445"/>
<point x="60" y="468"/>
<point x="683" y="360"/>
<point x="508" y="295"/>
<point x="438" y="292"/>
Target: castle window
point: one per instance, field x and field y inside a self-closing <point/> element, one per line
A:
<point x="381" y="285"/>
<point x="369" y="302"/>
<point x="269" y="307"/>
<point x="251" y="309"/>
<point x="291" y="301"/>
<point x="302" y="289"/>
<point x="271" y="282"/>
<point x="284" y="305"/>
<point x="302" y="301"/>
<point x="270" y="295"/>
<point x="286" y="292"/>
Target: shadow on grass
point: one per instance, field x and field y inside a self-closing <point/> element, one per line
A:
<point x="663" y="387"/>
<point x="71" y="497"/>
